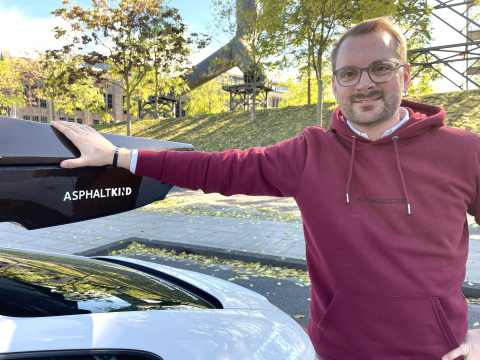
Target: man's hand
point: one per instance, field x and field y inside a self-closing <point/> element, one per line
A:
<point x="95" y="150"/>
<point x="469" y="348"/>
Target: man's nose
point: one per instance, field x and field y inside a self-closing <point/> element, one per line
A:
<point x="365" y="82"/>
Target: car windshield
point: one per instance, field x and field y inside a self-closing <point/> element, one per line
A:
<point x="38" y="285"/>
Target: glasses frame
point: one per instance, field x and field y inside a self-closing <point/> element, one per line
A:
<point x="396" y="63"/>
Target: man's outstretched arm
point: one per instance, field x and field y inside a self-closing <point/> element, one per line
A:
<point x="273" y="171"/>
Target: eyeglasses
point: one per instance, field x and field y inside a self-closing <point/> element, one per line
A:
<point x="379" y="72"/>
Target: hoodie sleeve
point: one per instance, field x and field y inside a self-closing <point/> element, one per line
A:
<point x="272" y="171"/>
<point x="474" y="207"/>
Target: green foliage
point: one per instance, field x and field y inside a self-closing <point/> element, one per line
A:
<point x="11" y="87"/>
<point x="208" y="98"/>
<point x="133" y="37"/>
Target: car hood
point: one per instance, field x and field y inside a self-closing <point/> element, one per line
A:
<point x="232" y="296"/>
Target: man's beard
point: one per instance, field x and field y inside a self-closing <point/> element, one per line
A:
<point x="358" y="117"/>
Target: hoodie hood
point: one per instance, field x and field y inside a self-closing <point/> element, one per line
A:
<point x="422" y="117"/>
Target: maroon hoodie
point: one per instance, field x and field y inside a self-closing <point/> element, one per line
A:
<point x="386" y="266"/>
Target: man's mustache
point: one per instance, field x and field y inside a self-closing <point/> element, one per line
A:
<point x="372" y="95"/>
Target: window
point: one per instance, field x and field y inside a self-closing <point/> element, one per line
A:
<point x="79" y="121"/>
<point x="63" y="119"/>
<point x="26" y="117"/>
<point x="44" y="119"/>
<point x="78" y="109"/>
<point x="34" y="99"/>
<point x="43" y="104"/>
<point x="71" y="120"/>
<point x="35" y="118"/>
<point x="96" y="122"/>
<point x="109" y="101"/>
<point x="184" y="112"/>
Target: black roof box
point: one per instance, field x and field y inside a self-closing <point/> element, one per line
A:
<point x="35" y="192"/>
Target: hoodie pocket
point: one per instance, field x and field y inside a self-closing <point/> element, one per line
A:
<point x="365" y="325"/>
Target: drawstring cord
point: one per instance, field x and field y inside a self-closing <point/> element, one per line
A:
<point x="352" y="160"/>
<point x="397" y="158"/>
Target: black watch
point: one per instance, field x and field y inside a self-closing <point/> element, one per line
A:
<point x="115" y="156"/>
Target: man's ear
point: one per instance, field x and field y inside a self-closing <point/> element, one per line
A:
<point x="333" y="88"/>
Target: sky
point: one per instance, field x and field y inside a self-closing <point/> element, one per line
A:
<point x="26" y="26"/>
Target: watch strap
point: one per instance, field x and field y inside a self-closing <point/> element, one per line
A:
<point x="115" y="156"/>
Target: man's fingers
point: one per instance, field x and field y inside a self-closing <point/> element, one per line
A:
<point x="66" y="130"/>
<point x="72" y="126"/>
<point x="73" y="163"/>
<point x="462" y="350"/>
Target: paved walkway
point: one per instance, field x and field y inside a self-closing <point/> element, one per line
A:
<point x="252" y="235"/>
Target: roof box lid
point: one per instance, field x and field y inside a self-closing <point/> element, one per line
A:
<point x="24" y="142"/>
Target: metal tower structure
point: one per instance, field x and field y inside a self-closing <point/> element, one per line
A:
<point x="467" y="51"/>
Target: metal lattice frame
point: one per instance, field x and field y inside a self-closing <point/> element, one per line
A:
<point x="467" y="51"/>
<point x="241" y="95"/>
<point x="166" y="107"/>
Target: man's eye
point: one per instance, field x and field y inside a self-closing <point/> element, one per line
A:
<point x="348" y="74"/>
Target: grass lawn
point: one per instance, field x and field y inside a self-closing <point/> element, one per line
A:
<point x="234" y="130"/>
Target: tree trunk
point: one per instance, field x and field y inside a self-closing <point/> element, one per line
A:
<point x="320" y="103"/>
<point x="129" y="117"/>
<point x="75" y="112"/>
<point x="156" y="94"/>
<point x="254" y="97"/>
<point x="309" y="88"/>
<point x="320" y="89"/>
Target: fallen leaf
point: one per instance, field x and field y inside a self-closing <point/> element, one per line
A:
<point x="299" y="316"/>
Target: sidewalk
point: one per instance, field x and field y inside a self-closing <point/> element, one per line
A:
<point x="264" y="237"/>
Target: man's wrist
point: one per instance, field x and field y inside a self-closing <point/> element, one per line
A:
<point x="124" y="158"/>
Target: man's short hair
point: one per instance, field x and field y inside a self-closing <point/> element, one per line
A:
<point x="382" y="24"/>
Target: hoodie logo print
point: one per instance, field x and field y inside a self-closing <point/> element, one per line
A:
<point x="381" y="201"/>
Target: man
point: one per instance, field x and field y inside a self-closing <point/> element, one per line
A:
<point x="383" y="196"/>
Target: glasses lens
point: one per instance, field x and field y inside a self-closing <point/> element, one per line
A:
<point x="348" y="76"/>
<point x="382" y="72"/>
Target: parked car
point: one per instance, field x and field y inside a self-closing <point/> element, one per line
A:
<point x="57" y="307"/>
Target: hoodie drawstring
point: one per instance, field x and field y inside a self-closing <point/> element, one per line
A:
<point x="397" y="159"/>
<point x="352" y="160"/>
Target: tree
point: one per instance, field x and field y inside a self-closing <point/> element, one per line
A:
<point x="306" y="30"/>
<point x="11" y="88"/>
<point x="208" y="98"/>
<point x="125" y="40"/>
<point x="299" y="88"/>
<point x="243" y="20"/>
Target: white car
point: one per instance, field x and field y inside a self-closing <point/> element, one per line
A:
<point x="57" y="307"/>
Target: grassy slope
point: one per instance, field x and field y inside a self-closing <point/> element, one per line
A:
<point x="234" y="130"/>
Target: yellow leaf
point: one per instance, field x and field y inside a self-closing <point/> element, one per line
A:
<point x="299" y="316"/>
<point x="470" y="284"/>
<point x="476" y="324"/>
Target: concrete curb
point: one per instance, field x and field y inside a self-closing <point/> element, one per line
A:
<point x="469" y="291"/>
<point x="200" y="250"/>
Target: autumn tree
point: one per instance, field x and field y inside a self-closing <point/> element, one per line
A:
<point x="122" y="43"/>
<point x="11" y="87"/>
<point x="306" y="30"/>
<point x="208" y="98"/>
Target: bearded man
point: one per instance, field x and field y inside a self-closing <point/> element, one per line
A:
<point x="383" y="196"/>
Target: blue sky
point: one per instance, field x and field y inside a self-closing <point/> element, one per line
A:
<point x="25" y="26"/>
